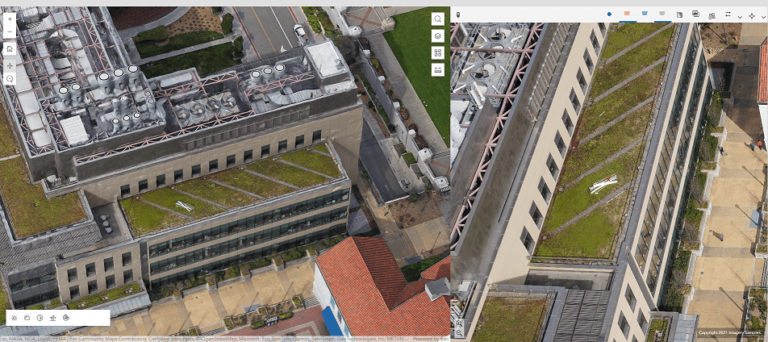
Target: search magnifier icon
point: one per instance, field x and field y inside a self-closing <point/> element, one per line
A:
<point x="438" y="18"/>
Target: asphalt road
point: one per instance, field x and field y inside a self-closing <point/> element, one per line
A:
<point x="269" y="28"/>
<point x="375" y="163"/>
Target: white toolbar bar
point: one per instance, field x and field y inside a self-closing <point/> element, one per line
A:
<point x="610" y="14"/>
<point x="41" y="318"/>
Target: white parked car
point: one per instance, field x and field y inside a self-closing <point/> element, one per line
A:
<point x="299" y="31"/>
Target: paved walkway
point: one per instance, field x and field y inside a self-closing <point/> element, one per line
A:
<point x="408" y="95"/>
<point x="207" y="309"/>
<point x="137" y="16"/>
<point x="636" y="44"/>
<point x="592" y="208"/>
<point x="226" y="40"/>
<point x="631" y="78"/>
<point x="308" y="322"/>
<point x="753" y="34"/>
<point x="724" y="266"/>
<point x="610" y="159"/>
<point x="398" y="242"/>
<point x="621" y="117"/>
<point x="166" y="20"/>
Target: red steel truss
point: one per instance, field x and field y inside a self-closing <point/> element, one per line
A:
<point x="281" y="83"/>
<point x="162" y="137"/>
<point x="490" y="147"/>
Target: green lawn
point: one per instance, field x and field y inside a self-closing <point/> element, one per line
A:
<point x="591" y="153"/>
<point x="410" y="41"/>
<point x="286" y="173"/>
<point x="413" y="271"/>
<point x="591" y="237"/>
<point x="510" y="319"/>
<point x="110" y="295"/>
<point x="313" y="161"/>
<point x="167" y="197"/>
<point x="253" y="184"/>
<point x="632" y="62"/>
<point x="571" y="202"/>
<point x="144" y="218"/>
<point x="7" y="141"/>
<point x="216" y="193"/>
<point x="206" y="61"/>
<point x="177" y="42"/>
<point x="321" y="148"/>
<point x="3" y="303"/>
<point x="619" y="102"/>
<point x="30" y="211"/>
<point x="627" y="35"/>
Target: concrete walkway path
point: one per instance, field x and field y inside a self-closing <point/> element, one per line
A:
<point x="408" y="95"/>
<point x="594" y="207"/>
<point x="206" y="310"/>
<point x="724" y="266"/>
<point x="600" y="166"/>
<point x="753" y="34"/>
<point x="630" y="79"/>
<point x="226" y="40"/>
<point x="636" y="44"/>
<point x="621" y="117"/>
<point x="166" y="20"/>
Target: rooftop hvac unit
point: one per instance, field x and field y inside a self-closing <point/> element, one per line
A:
<point x="279" y="71"/>
<point x="77" y="94"/>
<point x="65" y="96"/>
<point x="197" y="109"/>
<point x="228" y="101"/>
<point x="267" y="74"/>
<point x="213" y="105"/>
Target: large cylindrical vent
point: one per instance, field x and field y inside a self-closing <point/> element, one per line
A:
<point x="268" y="73"/>
<point x="279" y="71"/>
<point x="77" y="94"/>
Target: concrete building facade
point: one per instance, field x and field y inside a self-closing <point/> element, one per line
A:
<point x="176" y="128"/>
<point x="495" y="238"/>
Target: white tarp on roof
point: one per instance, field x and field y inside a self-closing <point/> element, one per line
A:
<point x="327" y="60"/>
<point x="40" y="137"/>
<point x="339" y="87"/>
<point x="29" y="103"/>
<point x="74" y="130"/>
<point x="42" y="50"/>
<point x="176" y="79"/>
<point x="22" y="80"/>
<point x="76" y="12"/>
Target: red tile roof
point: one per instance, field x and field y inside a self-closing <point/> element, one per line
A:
<point x="762" y="93"/>
<point x="373" y="295"/>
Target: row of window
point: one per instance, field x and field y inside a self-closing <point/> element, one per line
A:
<point x="251" y="222"/>
<point x="247" y="241"/>
<point x="624" y="325"/>
<point x="664" y="160"/>
<point x="667" y="219"/>
<point x="251" y="255"/>
<point x="641" y="320"/>
<point x="90" y="269"/>
<point x="36" y="280"/>
<point x="543" y="189"/>
<point x="93" y="287"/>
<point x="213" y="165"/>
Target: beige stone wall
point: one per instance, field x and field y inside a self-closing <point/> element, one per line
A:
<point x="631" y="313"/>
<point x="513" y="259"/>
<point x="101" y="274"/>
<point x="343" y="130"/>
<point x="512" y="248"/>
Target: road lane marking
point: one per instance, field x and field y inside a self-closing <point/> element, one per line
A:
<point x="263" y="30"/>
<point x="281" y="27"/>
<point x="246" y="33"/>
